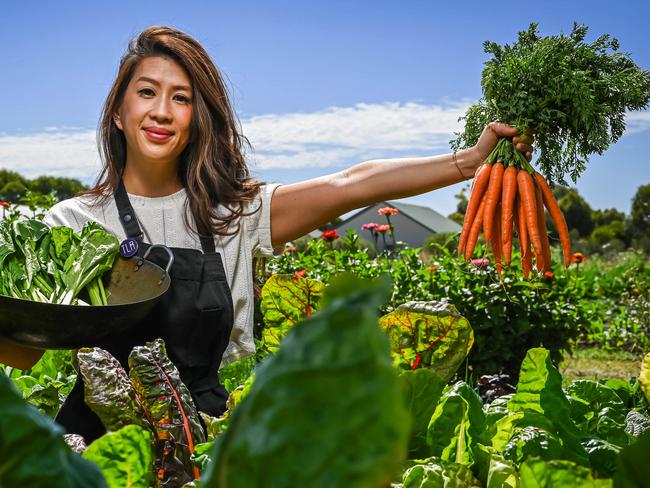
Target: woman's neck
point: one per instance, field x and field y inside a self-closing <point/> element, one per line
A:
<point x="147" y="183"/>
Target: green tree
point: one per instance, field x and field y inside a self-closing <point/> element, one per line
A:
<point x="63" y="188"/>
<point x="639" y="222"/>
<point x="461" y="207"/>
<point x="13" y="191"/>
<point x="577" y="212"/>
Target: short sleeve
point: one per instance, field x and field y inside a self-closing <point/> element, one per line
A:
<point x="259" y="224"/>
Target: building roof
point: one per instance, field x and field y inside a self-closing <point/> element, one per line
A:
<point x="426" y="216"/>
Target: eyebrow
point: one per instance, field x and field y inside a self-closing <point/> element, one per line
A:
<point x="155" y="82"/>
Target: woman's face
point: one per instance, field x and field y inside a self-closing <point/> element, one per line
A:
<point x="156" y="112"/>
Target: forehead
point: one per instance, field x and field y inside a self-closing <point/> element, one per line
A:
<point x="162" y="69"/>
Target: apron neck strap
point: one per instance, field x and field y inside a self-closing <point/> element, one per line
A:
<point x="129" y="220"/>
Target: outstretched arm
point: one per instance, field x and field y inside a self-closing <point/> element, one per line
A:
<point x="299" y="208"/>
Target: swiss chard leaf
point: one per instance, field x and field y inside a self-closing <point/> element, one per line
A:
<point x="598" y="410"/>
<point x="287" y="300"/>
<point x="439" y="473"/>
<point x="88" y="259"/>
<point x="33" y="452"/>
<point x="428" y="335"/>
<point x="108" y="391"/>
<point x="423" y="389"/>
<point x="540" y="391"/>
<point x="536" y="473"/>
<point x="326" y="410"/>
<point x="124" y="457"/>
<point x="457" y="426"/>
<point x="166" y="401"/>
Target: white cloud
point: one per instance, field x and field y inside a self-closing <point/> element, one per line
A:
<point x="637" y="121"/>
<point x="343" y="135"/>
<point x="336" y="136"/>
<point x="69" y="153"/>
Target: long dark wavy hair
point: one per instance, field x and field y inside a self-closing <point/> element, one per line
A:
<point x="212" y="166"/>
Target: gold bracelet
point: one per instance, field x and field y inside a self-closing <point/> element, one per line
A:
<point x="458" y="167"/>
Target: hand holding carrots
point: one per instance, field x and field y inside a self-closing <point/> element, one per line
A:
<point x="508" y="193"/>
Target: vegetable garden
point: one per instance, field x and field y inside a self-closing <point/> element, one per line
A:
<point x="411" y="368"/>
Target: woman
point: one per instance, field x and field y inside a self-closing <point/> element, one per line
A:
<point x="174" y="174"/>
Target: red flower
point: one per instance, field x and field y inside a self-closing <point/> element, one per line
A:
<point x="578" y="258"/>
<point x="549" y="276"/>
<point x="433" y="268"/>
<point x="300" y="274"/>
<point x="4" y="204"/>
<point x="383" y="228"/>
<point x="330" y="235"/>
<point x="290" y="249"/>
<point x="387" y="211"/>
<point x="369" y="226"/>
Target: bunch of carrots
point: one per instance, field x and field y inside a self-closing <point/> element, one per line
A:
<point x="509" y="194"/>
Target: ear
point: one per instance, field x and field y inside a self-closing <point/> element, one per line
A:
<point x="117" y="120"/>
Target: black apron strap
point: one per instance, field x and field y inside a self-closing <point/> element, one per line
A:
<point x="130" y="224"/>
<point x="128" y="218"/>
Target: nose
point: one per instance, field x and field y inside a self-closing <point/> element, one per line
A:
<point x="161" y="109"/>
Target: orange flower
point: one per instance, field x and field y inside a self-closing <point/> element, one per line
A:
<point x="290" y="249"/>
<point x="330" y="235"/>
<point x="4" y="204"/>
<point x="578" y="258"/>
<point x="432" y="268"/>
<point x="387" y="211"/>
<point x="549" y="276"/>
<point x="383" y="228"/>
<point x="300" y="274"/>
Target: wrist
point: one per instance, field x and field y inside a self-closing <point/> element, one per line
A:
<point x="466" y="161"/>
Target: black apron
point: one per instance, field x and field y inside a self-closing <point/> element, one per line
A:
<point x="194" y="318"/>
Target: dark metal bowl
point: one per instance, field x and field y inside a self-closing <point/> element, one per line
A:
<point x="135" y="286"/>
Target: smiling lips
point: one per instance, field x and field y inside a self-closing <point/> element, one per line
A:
<point x="157" y="133"/>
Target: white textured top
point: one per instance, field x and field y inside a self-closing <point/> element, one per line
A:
<point x="161" y="221"/>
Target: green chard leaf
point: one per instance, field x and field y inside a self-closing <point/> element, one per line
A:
<point x="436" y="472"/>
<point x="502" y="473"/>
<point x="287" y="300"/>
<point x="428" y="335"/>
<point x="539" y="391"/>
<point x="457" y="426"/>
<point x="33" y="451"/>
<point x="536" y="473"/>
<point x="124" y="457"/>
<point x="326" y="410"/>
<point x="598" y="410"/>
<point x="633" y="468"/>
<point x="6" y="241"/>
<point x="88" y="259"/>
<point x="422" y="389"/>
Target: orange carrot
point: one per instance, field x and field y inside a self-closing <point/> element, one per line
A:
<point x="557" y="216"/>
<point x="522" y="231"/>
<point x="526" y="186"/>
<point x="495" y="240"/>
<point x="493" y="194"/>
<point x="524" y="243"/>
<point x="508" y="194"/>
<point x="475" y="230"/>
<point x="541" y="224"/>
<point x="481" y="178"/>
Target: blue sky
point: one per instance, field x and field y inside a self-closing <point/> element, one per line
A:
<point x="317" y="85"/>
